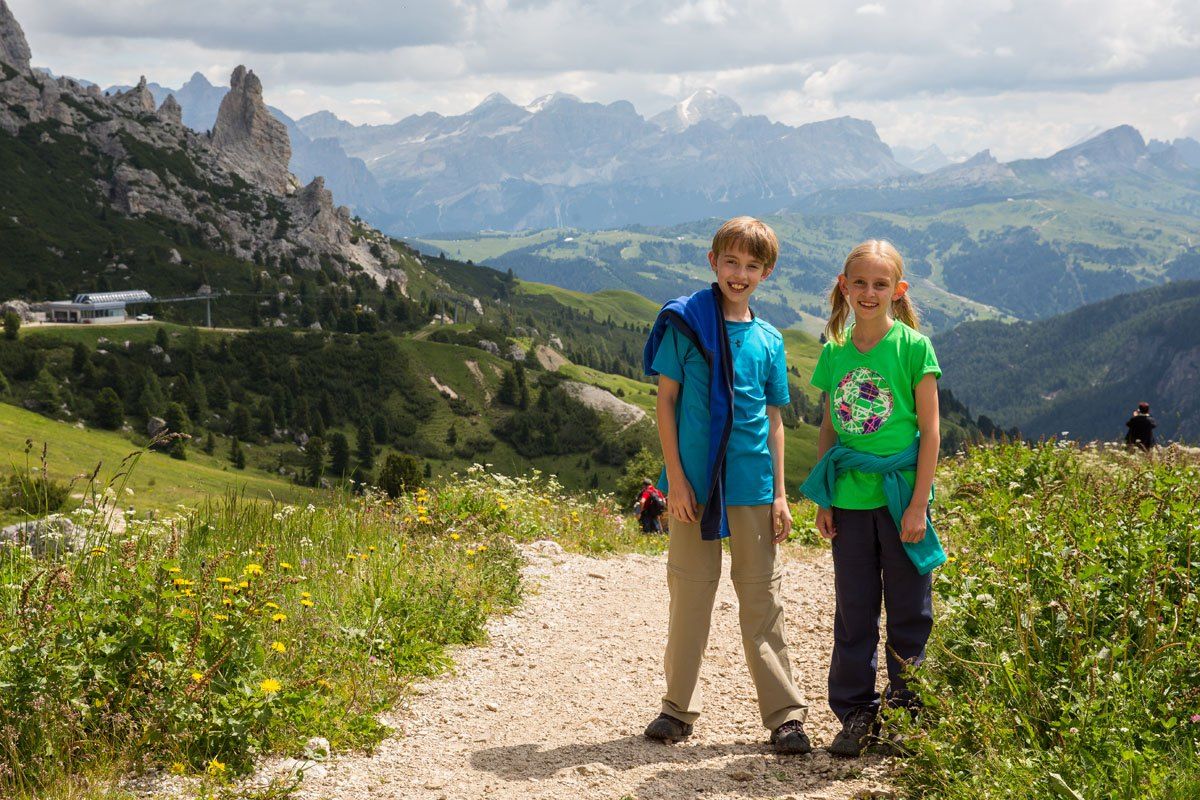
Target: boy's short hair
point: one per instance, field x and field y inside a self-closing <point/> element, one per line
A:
<point x="749" y="234"/>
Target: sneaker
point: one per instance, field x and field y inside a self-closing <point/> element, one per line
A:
<point x="791" y="738"/>
<point x="858" y="728"/>
<point x="666" y="728"/>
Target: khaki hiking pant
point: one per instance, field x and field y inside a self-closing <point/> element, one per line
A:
<point x="693" y="572"/>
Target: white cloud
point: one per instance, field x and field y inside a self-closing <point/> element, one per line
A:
<point x="871" y="9"/>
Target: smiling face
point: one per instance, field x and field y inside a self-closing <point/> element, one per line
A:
<point x="870" y="287"/>
<point x="738" y="273"/>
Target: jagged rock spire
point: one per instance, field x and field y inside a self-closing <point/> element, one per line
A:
<point x="171" y="111"/>
<point x="136" y="100"/>
<point x="14" y="49"/>
<point x="248" y="139"/>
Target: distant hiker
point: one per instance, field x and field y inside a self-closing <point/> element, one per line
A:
<point x="724" y="477"/>
<point x="877" y="449"/>
<point x="650" y="506"/>
<point x="1141" y="428"/>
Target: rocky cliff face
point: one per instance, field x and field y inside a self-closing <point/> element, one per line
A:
<point x="14" y="50"/>
<point x="233" y="189"/>
<point x="249" y="141"/>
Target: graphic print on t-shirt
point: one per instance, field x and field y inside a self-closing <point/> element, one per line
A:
<point x="862" y="401"/>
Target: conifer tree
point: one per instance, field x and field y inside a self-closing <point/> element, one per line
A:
<point x="314" y="461"/>
<point x="365" y="446"/>
<point x="109" y="413"/>
<point x="236" y="455"/>
<point x="339" y="454"/>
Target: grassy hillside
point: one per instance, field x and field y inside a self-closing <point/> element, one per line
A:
<point x="159" y="483"/>
<point x="1084" y="372"/>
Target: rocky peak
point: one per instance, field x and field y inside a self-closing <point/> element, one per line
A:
<point x="14" y="49"/>
<point x="705" y="104"/>
<point x="198" y="81"/>
<point x="170" y="111"/>
<point x="247" y="137"/>
<point x="137" y="100"/>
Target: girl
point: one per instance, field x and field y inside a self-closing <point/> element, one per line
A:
<point x="878" y="447"/>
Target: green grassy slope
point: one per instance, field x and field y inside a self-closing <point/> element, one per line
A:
<point x="158" y="482"/>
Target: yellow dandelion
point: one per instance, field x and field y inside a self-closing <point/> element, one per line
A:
<point x="174" y="569"/>
<point x="306" y="603"/>
<point x="182" y="582"/>
<point x="269" y="604"/>
<point x="220" y="617"/>
<point x="279" y="647"/>
<point x="197" y="677"/>
<point x="278" y="617"/>
<point x="99" y="551"/>
<point x="223" y="580"/>
<point x="227" y="601"/>
<point x="455" y="536"/>
<point x="306" y="594"/>
<point x="470" y="552"/>
<point x="244" y="584"/>
<point x="270" y="686"/>
<point x="371" y="548"/>
<point x="284" y="565"/>
<point x="253" y="569"/>
<point x="178" y="768"/>
<point x="215" y="768"/>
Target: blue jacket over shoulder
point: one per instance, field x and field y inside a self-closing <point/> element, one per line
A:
<point x="699" y="318"/>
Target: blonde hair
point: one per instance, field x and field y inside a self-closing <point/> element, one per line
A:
<point x="749" y="234"/>
<point x="902" y="309"/>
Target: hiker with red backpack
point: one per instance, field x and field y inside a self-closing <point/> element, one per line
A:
<point x="650" y="506"/>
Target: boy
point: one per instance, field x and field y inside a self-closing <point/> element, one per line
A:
<point x="722" y="381"/>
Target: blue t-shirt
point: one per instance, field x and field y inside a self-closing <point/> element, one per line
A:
<point x="759" y="380"/>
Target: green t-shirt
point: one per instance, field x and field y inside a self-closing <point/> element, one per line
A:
<point x="872" y="403"/>
<point x="759" y="380"/>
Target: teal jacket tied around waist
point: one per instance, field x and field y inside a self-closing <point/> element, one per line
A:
<point x="927" y="554"/>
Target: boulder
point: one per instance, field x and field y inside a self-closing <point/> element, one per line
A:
<point x="47" y="536"/>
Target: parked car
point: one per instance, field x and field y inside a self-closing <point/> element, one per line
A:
<point x="144" y="317"/>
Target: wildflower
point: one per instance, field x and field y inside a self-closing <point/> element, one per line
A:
<point x="270" y="686"/>
<point x="284" y="565"/>
<point x="182" y="582"/>
<point x="215" y="768"/>
<point x="253" y="569"/>
<point x="306" y="594"/>
<point x="197" y="676"/>
<point x="279" y="647"/>
<point x="455" y="536"/>
<point x="278" y="617"/>
<point x="470" y="552"/>
<point x="371" y="548"/>
<point x="1195" y="719"/>
<point x="306" y="603"/>
<point x="269" y="604"/>
<point x="99" y="551"/>
<point x="178" y="768"/>
<point x="174" y="569"/>
<point x="220" y="617"/>
<point x="224" y="580"/>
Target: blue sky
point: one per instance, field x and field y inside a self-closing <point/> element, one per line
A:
<point x="1022" y="78"/>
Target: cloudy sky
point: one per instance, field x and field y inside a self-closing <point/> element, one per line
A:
<point x="1022" y="77"/>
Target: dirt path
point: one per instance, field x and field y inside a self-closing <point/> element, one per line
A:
<point x="554" y="705"/>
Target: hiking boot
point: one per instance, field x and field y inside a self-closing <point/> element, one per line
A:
<point x="666" y="728"/>
<point x="790" y="738"/>
<point x="858" y="728"/>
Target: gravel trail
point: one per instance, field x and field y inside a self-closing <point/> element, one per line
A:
<point x="554" y="705"/>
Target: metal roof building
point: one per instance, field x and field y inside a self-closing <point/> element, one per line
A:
<point x="94" y="306"/>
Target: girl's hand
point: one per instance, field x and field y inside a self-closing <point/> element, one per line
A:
<point x="781" y="520"/>
<point x="681" y="500"/>
<point x="825" y="525"/>
<point x="912" y="524"/>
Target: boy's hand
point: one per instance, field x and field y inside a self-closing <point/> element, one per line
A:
<point x="681" y="502"/>
<point x="825" y="525"/>
<point x="912" y="524"/>
<point x="781" y="519"/>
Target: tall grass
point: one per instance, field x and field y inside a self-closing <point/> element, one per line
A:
<point x="1065" y="660"/>
<point x="198" y="642"/>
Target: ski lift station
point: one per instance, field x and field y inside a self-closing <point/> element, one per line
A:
<point x="94" y="306"/>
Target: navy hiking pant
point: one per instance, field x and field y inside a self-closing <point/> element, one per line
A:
<point x="870" y="566"/>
